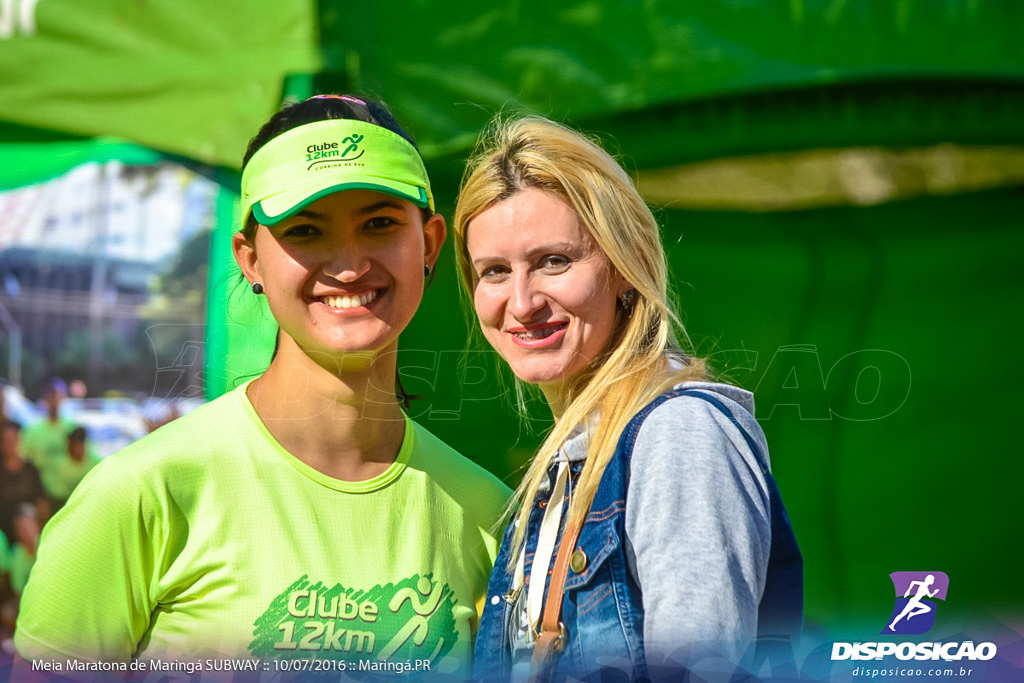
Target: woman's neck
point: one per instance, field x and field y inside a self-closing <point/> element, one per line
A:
<point x="555" y="402"/>
<point x="343" y="421"/>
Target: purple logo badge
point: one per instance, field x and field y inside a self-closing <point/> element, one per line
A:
<point x="916" y="592"/>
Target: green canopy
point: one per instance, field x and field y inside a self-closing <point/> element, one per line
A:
<point x="751" y="72"/>
<point x="192" y="78"/>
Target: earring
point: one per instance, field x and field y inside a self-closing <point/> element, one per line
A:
<point x="257" y="288"/>
<point x="628" y="301"/>
<point x="426" y="271"/>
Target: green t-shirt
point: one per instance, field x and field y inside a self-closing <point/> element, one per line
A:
<point x="21" y="566"/>
<point x="66" y="474"/>
<point x="45" y="445"/>
<point x="208" y="539"/>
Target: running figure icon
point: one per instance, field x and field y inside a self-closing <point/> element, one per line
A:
<point x="915" y="606"/>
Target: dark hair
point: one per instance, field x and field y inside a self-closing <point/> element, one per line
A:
<point x="77" y="434"/>
<point x="55" y="384"/>
<point x="322" y="108"/>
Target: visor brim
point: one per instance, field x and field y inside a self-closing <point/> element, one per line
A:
<point x="273" y="210"/>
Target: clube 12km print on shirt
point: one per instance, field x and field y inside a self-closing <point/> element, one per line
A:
<point x="410" y="619"/>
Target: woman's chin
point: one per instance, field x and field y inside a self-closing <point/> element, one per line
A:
<point x="348" y="346"/>
<point x="544" y="378"/>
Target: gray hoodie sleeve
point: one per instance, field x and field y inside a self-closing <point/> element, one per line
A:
<point x="697" y="527"/>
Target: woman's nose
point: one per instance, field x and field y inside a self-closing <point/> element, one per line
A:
<point x="526" y="299"/>
<point x="348" y="264"/>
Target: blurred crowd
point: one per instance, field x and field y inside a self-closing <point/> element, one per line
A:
<point x="41" y="464"/>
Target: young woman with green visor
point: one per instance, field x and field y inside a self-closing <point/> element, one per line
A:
<point x="303" y="515"/>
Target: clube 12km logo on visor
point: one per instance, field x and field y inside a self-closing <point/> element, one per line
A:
<point x="916" y="602"/>
<point x="327" y="151"/>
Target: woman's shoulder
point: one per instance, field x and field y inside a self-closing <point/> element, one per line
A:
<point x="445" y="464"/>
<point x="191" y="437"/>
<point x="733" y="397"/>
<point x="706" y="399"/>
<point x="703" y="420"/>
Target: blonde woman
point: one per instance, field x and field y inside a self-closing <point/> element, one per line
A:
<point x="648" y="529"/>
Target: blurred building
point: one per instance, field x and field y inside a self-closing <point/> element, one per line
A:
<point x="83" y="259"/>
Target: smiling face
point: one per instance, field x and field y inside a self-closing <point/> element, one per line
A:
<point x="346" y="273"/>
<point x="543" y="289"/>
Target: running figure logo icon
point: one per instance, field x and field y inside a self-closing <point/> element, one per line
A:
<point x="914" y="611"/>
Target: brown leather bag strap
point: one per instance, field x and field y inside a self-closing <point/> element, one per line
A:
<point x="552" y="636"/>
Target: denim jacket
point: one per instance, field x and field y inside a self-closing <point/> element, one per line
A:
<point x="602" y="607"/>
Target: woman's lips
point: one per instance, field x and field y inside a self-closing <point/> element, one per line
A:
<point x="344" y="302"/>
<point x="536" y="336"/>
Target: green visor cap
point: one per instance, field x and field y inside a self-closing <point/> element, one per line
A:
<point x="312" y="161"/>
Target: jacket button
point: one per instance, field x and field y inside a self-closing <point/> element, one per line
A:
<point x="578" y="561"/>
<point x="495" y="599"/>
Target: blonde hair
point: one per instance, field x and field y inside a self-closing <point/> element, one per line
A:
<point x="534" y="152"/>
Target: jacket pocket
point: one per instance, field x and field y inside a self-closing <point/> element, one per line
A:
<point x="599" y="540"/>
<point x="601" y="610"/>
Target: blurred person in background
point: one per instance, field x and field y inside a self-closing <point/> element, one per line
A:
<point x="77" y="389"/>
<point x="20" y="486"/>
<point x="23" y="511"/>
<point x="65" y="476"/>
<point x="45" y="443"/>
<point x="303" y="514"/>
<point x="16" y="562"/>
<point x="23" y="553"/>
<point x="161" y="415"/>
<point x="8" y="611"/>
<point x="46" y="440"/>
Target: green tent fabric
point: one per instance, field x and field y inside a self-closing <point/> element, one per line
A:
<point x="26" y="163"/>
<point x="197" y="80"/>
<point x="448" y="71"/>
<point x="876" y="341"/>
<point x="191" y="78"/>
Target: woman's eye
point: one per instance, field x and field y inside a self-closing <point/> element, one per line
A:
<point x="301" y="230"/>
<point x="493" y="273"/>
<point x="555" y="262"/>
<point x="380" y="222"/>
